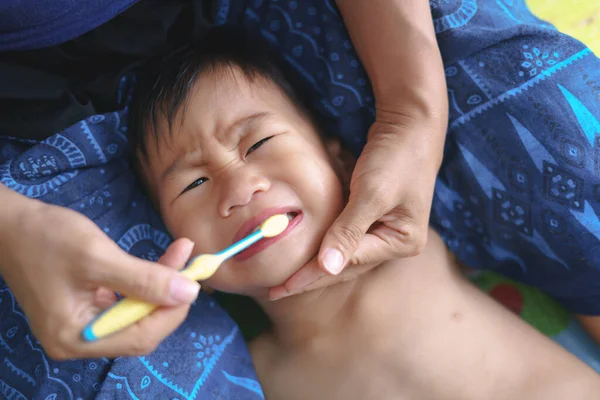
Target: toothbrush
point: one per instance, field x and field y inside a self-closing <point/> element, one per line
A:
<point x="128" y="311"/>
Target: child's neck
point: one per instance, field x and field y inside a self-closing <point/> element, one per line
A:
<point x="303" y="317"/>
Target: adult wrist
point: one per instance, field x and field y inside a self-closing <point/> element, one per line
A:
<point x="403" y="79"/>
<point x="14" y="208"/>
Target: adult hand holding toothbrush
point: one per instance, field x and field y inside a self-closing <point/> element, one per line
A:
<point x="63" y="270"/>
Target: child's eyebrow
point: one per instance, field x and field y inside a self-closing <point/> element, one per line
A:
<point x="242" y="126"/>
<point x="232" y="134"/>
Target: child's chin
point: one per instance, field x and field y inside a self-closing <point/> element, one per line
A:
<point x="258" y="283"/>
<point x="281" y="271"/>
<point x="269" y="277"/>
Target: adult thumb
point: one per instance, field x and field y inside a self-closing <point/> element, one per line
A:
<point x="345" y="234"/>
<point x="152" y="282"/>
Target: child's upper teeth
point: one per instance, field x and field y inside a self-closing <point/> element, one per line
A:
<point x="290" y="216"/>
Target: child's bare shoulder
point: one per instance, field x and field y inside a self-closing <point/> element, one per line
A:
<point x="435" y="260"/>
<point x="407" y="280"/>
<point x="262" y="349"/>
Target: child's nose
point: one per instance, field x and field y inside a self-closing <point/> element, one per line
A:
<point x="238" y="188"/>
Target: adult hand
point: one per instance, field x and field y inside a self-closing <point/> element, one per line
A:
<point x="60" y="267"/>
<point x="391" y="192"/>
<point x="392" y="185"/>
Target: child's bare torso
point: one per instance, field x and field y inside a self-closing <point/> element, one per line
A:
<point x="362" y="355"/>
<point x="354" y="359"/>
<point x="415" y="329"/>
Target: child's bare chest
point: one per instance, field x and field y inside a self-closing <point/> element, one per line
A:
<point x="358" y="375"/>
<point x="358" y="360"/>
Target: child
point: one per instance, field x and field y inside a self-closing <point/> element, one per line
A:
<point x="223" y="141"/>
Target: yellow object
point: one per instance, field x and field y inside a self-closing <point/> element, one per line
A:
<point x="275" y="225"/>
<point x="577" y="18"/>
<point x="128" y="311"/>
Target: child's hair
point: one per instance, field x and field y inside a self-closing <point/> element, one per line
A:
<point x="163" y="85"/>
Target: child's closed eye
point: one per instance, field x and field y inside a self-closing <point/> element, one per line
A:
<point x="257" y="145"/>
<point x="195" y="184"/>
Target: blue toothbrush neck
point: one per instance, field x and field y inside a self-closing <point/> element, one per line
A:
<point x="241" y="245"/>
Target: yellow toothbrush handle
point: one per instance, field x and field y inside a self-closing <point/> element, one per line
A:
<point x="129" y="311"/>
<point x="121" y="315"/>
<point x="202" y="267"/>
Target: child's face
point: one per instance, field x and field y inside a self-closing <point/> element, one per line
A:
<point x="241" y="153"/>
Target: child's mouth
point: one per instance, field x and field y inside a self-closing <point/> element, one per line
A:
<point x="290" y="216"/>
<point x="295" y="217"/>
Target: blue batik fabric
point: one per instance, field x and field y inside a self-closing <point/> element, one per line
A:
<point x="518" y="191"/>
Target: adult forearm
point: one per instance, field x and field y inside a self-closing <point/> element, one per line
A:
<point x="396" y="43"/>
<point x="9" y="200"/>
<point x="13" y="207"/>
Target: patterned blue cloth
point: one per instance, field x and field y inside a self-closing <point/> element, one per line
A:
<point x="518" y="191"/>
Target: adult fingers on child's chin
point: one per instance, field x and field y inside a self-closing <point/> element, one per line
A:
<point x="351" y="272"/>
<point x="306" y="275"/>
<point x="373" y="249"/>
<point x="384" y="244"/>
<point x="141" y="338"/>
<point x="177" y="253"/>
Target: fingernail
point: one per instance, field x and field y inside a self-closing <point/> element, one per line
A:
<point x="334" y="261"/>
<point x="184" y="290"/>
<point x="279" y="294"/>
<point x="189" y="246"/>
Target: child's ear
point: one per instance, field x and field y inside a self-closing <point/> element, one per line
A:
<point x="343" y="161"/>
